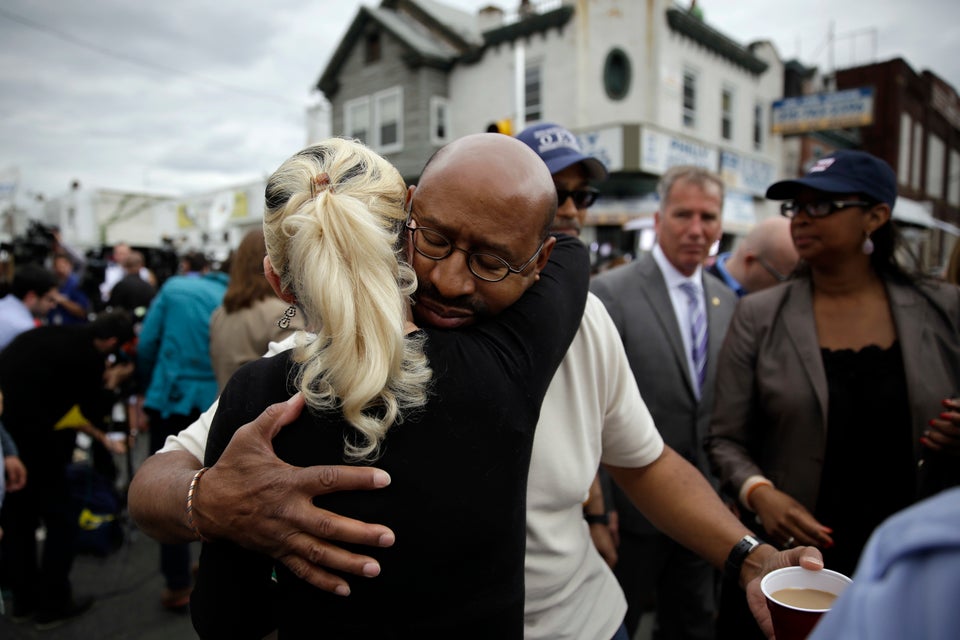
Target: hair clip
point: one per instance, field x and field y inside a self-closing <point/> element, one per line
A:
<point x="319" y="183"/>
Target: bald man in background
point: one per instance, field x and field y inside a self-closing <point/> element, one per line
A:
<point x="764" y="257"/>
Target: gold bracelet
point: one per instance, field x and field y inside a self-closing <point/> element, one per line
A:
<point x="191" y="492"/>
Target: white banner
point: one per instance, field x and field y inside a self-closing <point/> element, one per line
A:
<point x="660" y="151"/>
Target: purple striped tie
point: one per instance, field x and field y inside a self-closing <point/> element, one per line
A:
<point x="698" y="332"/>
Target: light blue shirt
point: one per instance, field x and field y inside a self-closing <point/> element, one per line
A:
<point x="908" y="580"/>
<point x="15" y="318"/>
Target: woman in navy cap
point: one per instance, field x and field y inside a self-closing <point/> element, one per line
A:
<point x="834" y="398"/>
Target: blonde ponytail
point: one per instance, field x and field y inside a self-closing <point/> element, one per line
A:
<point x="334" y="215"/>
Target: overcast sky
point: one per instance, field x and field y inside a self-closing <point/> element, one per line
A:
<point x="192" y="95"/>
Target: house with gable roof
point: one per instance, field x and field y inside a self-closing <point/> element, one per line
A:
<point x="645" y="85"/>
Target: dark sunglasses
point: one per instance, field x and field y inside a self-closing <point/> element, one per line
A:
<point x="791" y="208"/>
<point x="582" y="198"/>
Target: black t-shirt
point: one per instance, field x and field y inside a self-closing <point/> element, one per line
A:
<point x="456" y="500"/>
<point x="44" y="372"/>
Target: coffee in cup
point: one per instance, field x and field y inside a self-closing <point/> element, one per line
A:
<point x="797" y="597"/>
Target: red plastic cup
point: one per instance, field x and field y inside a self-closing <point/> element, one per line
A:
<point x="792" y="622"/>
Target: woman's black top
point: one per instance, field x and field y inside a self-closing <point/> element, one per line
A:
<point x="457" y="496"/>
<point x="868" y="468"/>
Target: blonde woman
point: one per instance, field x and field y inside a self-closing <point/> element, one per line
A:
<point x="423" y="403"/>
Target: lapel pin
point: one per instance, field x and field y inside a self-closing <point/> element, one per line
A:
<point x="715" y="301"/>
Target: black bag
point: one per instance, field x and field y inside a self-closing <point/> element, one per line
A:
<point x="100" y="511"/>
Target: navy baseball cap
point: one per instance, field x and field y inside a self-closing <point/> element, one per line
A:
<point x="559" y="149"/>
<point x="843" y="172"/>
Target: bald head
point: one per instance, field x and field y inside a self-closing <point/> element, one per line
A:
<point x="492" y="199"/>
<point x="133" y="262"/>
<point x="767" y="250"/>
<point x="495" y="172"/>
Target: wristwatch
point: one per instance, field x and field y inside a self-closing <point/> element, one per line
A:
<point x="739" y="554"/>
<point x="596" y="518"/>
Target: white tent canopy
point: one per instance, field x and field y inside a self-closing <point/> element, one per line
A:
<point x="920" y="214"/>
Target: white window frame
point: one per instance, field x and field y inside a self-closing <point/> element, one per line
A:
<point x="688" y="115"/>
<point x="916" y="154"/>
<point x="349" y="117"/>
<point x="436" y="104"/>
<point x="379" y="116"/>
<point x="904" y="153"/>
<point x="728" y="115"/>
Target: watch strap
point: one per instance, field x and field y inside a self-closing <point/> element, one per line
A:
<point x="596" y="518"/>
<point x="738" y="555"/>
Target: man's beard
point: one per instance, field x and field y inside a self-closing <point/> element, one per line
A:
<point x="472" y="304"/>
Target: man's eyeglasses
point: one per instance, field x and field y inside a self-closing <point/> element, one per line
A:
<point x="769" y="267"/>
<point x="582" y="198"/>
<point x="791" y="208"/>
<point x="432" y="244"/>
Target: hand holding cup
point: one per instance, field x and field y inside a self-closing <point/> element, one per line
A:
<point x="797" y="598"/>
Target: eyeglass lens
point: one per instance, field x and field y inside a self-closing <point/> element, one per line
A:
<point x="791" y="208"/>
<point x="582" y="198"/>
<point x="436" y="246"/>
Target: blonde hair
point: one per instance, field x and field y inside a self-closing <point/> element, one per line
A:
<point x="332" y="224"/>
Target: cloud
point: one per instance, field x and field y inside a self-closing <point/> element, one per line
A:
<point x="187" y="95"/>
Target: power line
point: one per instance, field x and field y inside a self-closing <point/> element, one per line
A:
<point x="79" y="42"/>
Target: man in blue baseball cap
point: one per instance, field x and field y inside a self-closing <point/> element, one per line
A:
<point x="572" y="173"/>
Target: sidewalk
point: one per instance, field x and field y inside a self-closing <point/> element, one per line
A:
<point x="126" y="586"/>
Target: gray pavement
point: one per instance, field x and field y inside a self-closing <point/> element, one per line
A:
<point x="126" y="586"/>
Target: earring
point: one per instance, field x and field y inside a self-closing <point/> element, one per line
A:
<point x="867" y="246"/>
<point x="284" y="322"/>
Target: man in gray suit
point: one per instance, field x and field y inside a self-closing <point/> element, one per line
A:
<point x="672" y="317"/>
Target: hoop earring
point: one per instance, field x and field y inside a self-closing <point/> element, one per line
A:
<point x="867" y="246"/>
<point x="284" y="322"/>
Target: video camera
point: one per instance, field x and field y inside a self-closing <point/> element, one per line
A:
<point x="33" y="245"/>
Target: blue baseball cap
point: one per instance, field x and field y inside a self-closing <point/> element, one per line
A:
<point x="843" y="172"/>
<point x="559" y="149"/>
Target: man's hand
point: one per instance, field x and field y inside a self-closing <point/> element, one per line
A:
<point x="254" y="499"/>
<point x="116" y="374"/>
<point x="16" y="473"/>
<point x="603" y="540"/>
<point x="764" y="560"/>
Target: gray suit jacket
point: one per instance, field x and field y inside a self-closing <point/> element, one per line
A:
<point x="638" y="301"/>
<point x="771" y="410"/>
